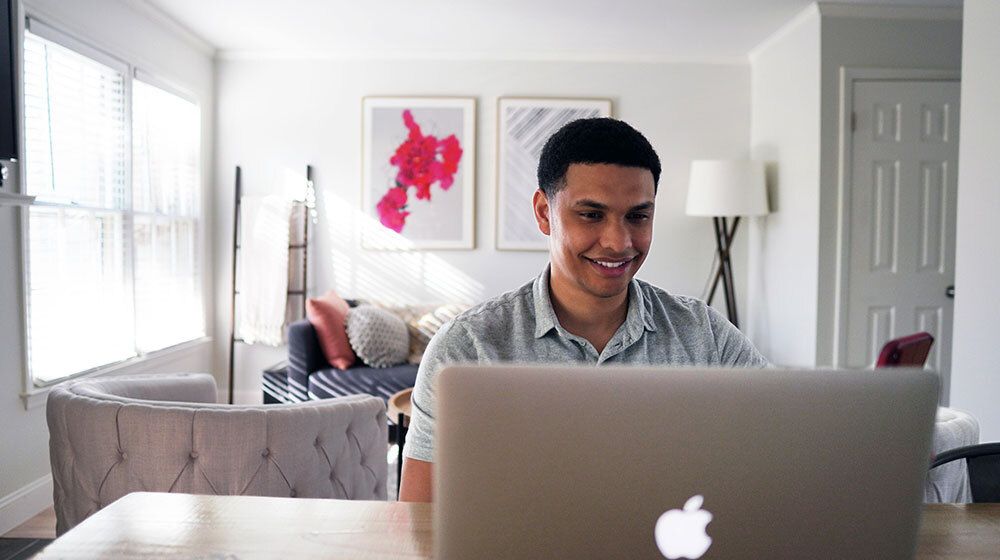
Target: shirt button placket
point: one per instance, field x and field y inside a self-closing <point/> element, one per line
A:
<point x="612" y="350"/>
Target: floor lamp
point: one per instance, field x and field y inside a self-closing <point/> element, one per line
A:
<point x="722" y="189"/>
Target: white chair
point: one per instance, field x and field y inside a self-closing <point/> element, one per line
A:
<point x="950" y="483"/>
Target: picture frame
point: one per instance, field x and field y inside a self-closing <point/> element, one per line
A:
<point x="524" y="124"/>
<point x="418" y="173"/>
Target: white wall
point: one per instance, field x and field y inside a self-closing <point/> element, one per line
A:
<point x="785" y="100"/>
<point x="118" y="28"/>
<point x="975" y="369"/>
<point x="854" y="42"/>
<point x="276" y="114"/>
<point x="795" y="125"/>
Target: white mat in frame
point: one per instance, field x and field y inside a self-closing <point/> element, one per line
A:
<point x="438" y="214"/>
<point x="523" y="126"/>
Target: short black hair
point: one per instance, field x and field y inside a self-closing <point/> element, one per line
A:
<point x="597" y="140"/>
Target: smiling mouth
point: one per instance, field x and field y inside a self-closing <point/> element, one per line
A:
<point x="611" y="264"/>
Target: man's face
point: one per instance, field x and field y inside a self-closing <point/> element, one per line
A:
<point x="600" y="226"/>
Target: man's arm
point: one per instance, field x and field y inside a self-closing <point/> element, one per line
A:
<point x="415" y="484"/>
<point x="450" y="345"/>
<point x="735" y="349"/>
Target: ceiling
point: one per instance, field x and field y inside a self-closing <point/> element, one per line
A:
<point x="704" y="30"/>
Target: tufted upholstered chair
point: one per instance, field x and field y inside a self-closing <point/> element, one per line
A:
<point x="950" y="483"/>
<point x="165" y="433"/>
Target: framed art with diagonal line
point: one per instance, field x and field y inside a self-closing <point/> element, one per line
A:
<point x="523" y="126"/>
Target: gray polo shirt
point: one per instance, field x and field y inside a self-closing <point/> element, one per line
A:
<point x="521" y="326"/>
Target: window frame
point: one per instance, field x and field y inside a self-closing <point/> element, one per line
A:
<point x="35" y="391"/>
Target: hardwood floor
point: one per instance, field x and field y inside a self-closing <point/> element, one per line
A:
<point x="41" y="526"/>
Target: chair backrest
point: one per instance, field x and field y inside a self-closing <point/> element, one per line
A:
<point x="906" y="351"/>
<point x="983" y="463"/>
<point x="106" y="440"/>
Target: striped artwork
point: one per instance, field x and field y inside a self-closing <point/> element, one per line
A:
<point x="524" y="125"/>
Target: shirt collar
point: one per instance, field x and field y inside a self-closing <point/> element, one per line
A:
<point x="545" y="315"/>
<point x="637" y="317"/>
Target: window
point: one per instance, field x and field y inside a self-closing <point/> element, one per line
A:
<point x="165" y="194"/>
<point x="113" y="247"/>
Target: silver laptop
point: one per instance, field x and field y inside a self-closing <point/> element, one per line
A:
<point x="583" y="462"/>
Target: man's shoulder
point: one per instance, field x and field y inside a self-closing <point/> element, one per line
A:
<point x="485" y="330"/>
<point x="661" y="304"/>
<point x="499" y="310"/>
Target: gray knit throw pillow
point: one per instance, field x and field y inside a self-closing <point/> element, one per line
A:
<point x="378" y="337"/>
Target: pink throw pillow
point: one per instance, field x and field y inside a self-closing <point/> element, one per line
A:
<point x="328" y="315"/>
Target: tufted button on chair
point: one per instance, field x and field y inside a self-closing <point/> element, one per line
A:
<point x="179" y="440"/>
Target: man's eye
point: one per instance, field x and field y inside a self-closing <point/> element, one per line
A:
<point x="638" y="217"/>
<point x="590" y="215"/>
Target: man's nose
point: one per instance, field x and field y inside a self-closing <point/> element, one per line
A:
<point x="616" y="237"/>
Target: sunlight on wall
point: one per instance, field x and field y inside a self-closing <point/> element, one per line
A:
<point x="397" y="275"/>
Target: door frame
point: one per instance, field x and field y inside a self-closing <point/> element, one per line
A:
<point x="848" y="77"/>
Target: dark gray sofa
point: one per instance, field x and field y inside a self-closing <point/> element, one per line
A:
<point x="308" y="376"/>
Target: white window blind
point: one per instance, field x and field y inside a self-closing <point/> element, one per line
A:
<point x="75" y="162"/>
<point x="165" y="148"/>
<point x="113" y="246"/>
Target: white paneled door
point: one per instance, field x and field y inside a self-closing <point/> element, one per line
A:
<point x="902" y="217"/>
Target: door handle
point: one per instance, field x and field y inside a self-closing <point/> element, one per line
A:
<point x="949" y="292"/>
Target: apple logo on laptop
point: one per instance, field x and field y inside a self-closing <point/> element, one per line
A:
<point x="681" y="533"/>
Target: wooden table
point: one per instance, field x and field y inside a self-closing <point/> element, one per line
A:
<point x="150" y="525"/>
<point x="146" y="525"/>
<point x="959" y="532"/>
<point x="400" y="404"/>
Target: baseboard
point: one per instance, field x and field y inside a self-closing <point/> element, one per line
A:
<point x="25" y="503"/>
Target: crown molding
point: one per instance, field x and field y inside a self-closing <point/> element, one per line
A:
<point x="858" y="11"/>
<point x="811" y="11"/>
<point x="173" y="26"/>
<point x="884" y="11"/>
<point x="431" y="55"/>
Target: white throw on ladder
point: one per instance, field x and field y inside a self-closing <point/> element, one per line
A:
<point x="264" y="264"/>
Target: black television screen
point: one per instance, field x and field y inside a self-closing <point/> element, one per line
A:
<point x="8" y="129"/>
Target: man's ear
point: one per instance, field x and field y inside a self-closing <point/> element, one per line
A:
<point x="542" y="210"/>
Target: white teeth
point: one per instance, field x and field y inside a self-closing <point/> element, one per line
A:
<point x="610" y="264"/>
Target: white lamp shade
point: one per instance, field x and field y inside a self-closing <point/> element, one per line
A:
<point x="727" y="188"/>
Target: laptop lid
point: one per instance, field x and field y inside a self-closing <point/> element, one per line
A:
<point x="583" y="462"/>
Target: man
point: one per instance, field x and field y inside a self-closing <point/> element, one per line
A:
<point x="597" y="183"/>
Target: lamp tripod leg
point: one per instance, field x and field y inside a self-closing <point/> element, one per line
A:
<point x="723" y="240"/>
<point x="717" y="265"/>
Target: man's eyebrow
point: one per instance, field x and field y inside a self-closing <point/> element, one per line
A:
<point x="591" y="204"/>
<point x="588" y="203"/>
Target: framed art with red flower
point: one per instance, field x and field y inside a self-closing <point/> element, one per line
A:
<point x="523" y="126"/>
<point x="418" y="172"/>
